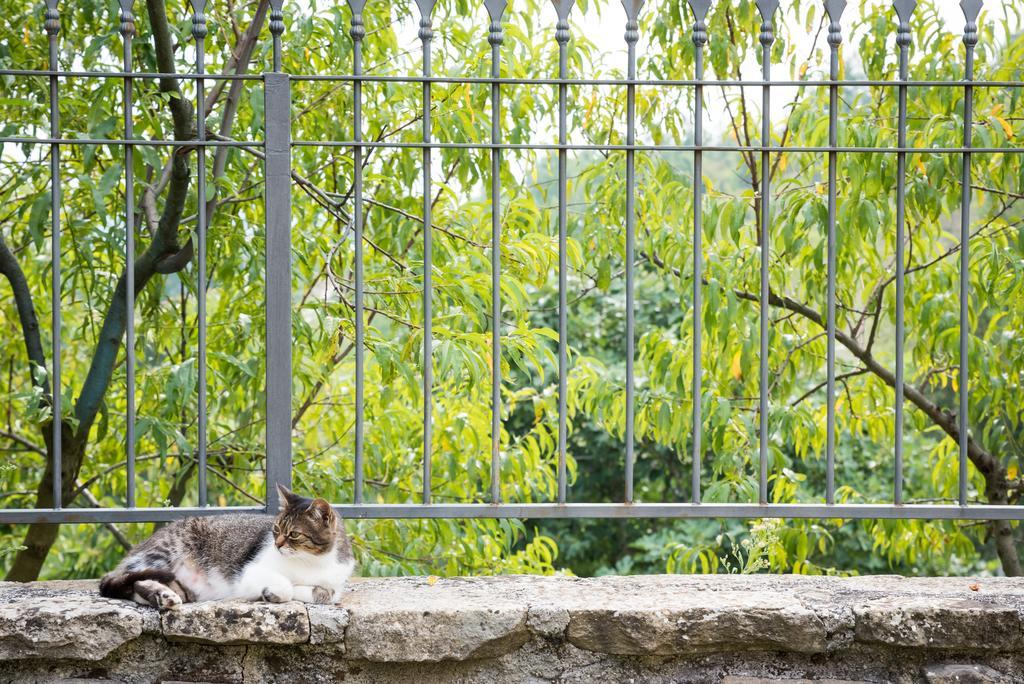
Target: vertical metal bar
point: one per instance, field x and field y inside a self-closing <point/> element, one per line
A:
<point x="357" y="32"/>
<point x="835" y="38"/>
<point x="199" y="34"/>
<point x="277" y="124"/>
<point x="631" y="36"/>
<point x="767" y="9"/>
<point x="970" y="9"/>
<point x="495" y="37"/>
<point x="426" y="34"/>
<point x="127" y="33"/>
<point x="562" y="8"/>
<point x="904" y="8"/>
<point x="700" y="38"/>
<point x="52" y="26"/>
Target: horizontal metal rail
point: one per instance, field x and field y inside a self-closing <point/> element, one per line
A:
<point x="506" y="80"/>
<point x="547" y="510"/>
<point x="138" y="142"/>
<point x="520" y="146"/>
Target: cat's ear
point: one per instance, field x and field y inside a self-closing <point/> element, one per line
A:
<point x="321" y="510"/>
<point x="286" y="495"/>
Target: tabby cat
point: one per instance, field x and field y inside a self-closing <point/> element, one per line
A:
<point x="301" y="554"/>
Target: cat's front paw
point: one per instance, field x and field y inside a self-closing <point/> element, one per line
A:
<point x="167" y="599"/>
<point x="159" y="595"/>
<point x="277" y="594"/>
<point x="322" y="595"/>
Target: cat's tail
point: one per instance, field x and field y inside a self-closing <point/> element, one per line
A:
<point x="121" y="585"/>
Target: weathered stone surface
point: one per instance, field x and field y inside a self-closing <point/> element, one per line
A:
<point x="957" y="673"/>
<point x="772" y="680"/>
<point x="940" y="623"/>
<point x="237" y="622"/>
<point x="327" y="624"/>
<point x="547" y="621"/>
<point x="74" y="623"/>
<point x="697" y="623"/>
<point x="434" y="622"/>
<point x="741" y="630"/>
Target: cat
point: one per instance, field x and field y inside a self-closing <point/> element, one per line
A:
<point x="301" y="554"/>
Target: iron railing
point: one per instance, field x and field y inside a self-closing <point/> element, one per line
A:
<point x="277" y="147"/>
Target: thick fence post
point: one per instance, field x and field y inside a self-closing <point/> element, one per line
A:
<point x="277" y="112"/>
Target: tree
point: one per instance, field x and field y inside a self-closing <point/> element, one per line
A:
<point x="318" y="42"/>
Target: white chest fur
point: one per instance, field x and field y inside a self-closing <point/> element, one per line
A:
<point x="282" y="572"/>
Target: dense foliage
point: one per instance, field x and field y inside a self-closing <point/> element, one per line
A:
<point x="317" y="42"/>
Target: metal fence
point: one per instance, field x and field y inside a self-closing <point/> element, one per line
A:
<point x="277" y="147"/>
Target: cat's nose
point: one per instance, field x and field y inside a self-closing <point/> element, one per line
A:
<point x="279" y="541"/>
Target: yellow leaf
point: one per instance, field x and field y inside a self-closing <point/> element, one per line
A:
<point x="589" y="114"/>
<point x="1011" y="473"/>
<point x="1007" y="128"/>
<point x="920" y="167"/>
<point x="432" y="580"/>
<point x="736" y="368"/>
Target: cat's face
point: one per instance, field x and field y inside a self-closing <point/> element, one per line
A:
<point x="304" y="525"/>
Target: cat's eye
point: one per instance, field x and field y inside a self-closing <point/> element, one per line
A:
<point x="295" y="535"/>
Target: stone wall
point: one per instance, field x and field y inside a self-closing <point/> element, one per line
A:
<point x="730" y="629"/>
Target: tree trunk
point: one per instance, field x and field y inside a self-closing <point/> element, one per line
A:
<point x="28" y="563"/>
<point x="1006" y="547"/>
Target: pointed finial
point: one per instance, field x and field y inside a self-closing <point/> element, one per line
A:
<point x="357" y="31"/>
<point x="51" y="21"/>
<point x="426" y="9"/>
<point x="904" y="8"/>
<point x="495" y="10"/>
<point x="700" y="12"/>
<point x="276" y="17"/>
<point x="198" y="19"/>
<point x="632" y="8"/>
<point x="127" y="18"/>
<point x="767" y="9"/>
<point x="835" y="8"/>
<point x="971" y="8"/>
<point x="562" y="9"/>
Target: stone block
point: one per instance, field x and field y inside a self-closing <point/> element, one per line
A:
<point x="81" y="625"/>
<point x="237" y="622"/>
<point x="939" y="622"/>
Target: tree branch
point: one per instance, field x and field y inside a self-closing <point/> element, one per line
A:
<point x="11" y="269"/>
